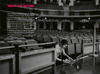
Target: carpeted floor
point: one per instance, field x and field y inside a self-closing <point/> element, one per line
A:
<point x="90" y="65"/>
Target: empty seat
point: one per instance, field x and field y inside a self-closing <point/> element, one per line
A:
<point x="18" y="42"/>
<point x="55" y="39"/>
<point x="35" y="47"/>
<point x="8" y="39"/>
<point x="98" y="39"/>
<point x="68" y="41"/>
<point x="70" y="49"/>
<point x="47" y="39"/>
<point x="40" y="38"/>
<point x="77" y="45"/>
<point x="60" y="37"/>
<point x="1" y="38"/>
<point x="22" y="39"/>
<point x="78" y="48"/>
<point x="34" y="36"/>
<point x="80" y="39"/>
<point x="74" y="40"/>
<point x="87" y="40"/>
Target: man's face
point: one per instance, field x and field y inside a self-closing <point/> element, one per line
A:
<point x="64" y="46"/>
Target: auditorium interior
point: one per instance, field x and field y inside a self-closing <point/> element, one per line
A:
<point x="28" y="36"/>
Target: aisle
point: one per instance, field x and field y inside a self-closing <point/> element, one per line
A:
<point x="88" y="67"/>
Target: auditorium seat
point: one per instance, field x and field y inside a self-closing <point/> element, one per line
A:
<point x="22" y="39"/>
<point x="80" y="39"/>
<point x="77" y="45"/>
<point x="55" y="39"/>
<point x="60" y="37"/>
<point x="8" y="39"/>
<point x="28" y="36"/>
<point x="46" y="38"/>
<point x="66" y="36"/>
<point x="98" y="38"/>
<point x="70" y="49"/>
<point x="34" y="36"/>
<point x="14" y="38"/>
<point x="78" y="48"/>
<point x="39" y="38"/>
<point x="18" y="42"/>
<point x="50" y="6"/>
<point x="84" y="6"/>
<point x="87" y="39"/>
<point x="74" y="40"/>
<point x="31" y="41"/>
<point x="68" y="40"/>
<point x="1" y="38"/>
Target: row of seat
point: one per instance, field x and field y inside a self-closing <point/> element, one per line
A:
<point x="16" y="40"/>
<point x="48" y="6"/>
<point x="85" y="6"/>
<point x="74" y="39"/>
<point x="64" y="33"/>
<point x="74" y="45"/>
<point x="10" y="41"/>
<point x="19" y="41"/>
<point x="70" y="50"/>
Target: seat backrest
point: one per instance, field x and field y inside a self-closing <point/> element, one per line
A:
<point x="8" y="39"/>
<point x="87" y="39"/>
<point x="74" y="40"/>
<point x="1" y="38"/>
<point x="80" y="39"/>
<point x="70" y="50"/>
<point x="55" y="39"/>
<point x="69" y="41"/>
<point x="47" y="39"/>
<point x="19" y="42"/>
<point x="39" y="38"/>
<point x="31" y="41"/>
<point x="22" y="39"/>
<point x="3" y="44"/>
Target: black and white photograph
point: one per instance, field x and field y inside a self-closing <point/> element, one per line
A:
<point x="49" y="36"/>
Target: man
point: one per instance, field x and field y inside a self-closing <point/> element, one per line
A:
<point x="61" y="56"/>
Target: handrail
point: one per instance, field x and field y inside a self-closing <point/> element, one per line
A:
<point x="37" y="44"/>
<point x="90" y="43"/>
<point x="8" y="47"/>
<point x="68" y="16"/>
<point x="27" y="45"/>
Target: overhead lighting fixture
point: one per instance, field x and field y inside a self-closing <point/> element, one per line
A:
<point x="36" y="18"/>
<point x="89" y="18"/>
<point x="45" y="18"/>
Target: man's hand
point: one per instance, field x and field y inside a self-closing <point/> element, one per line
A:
<point x="66" y="61"/>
